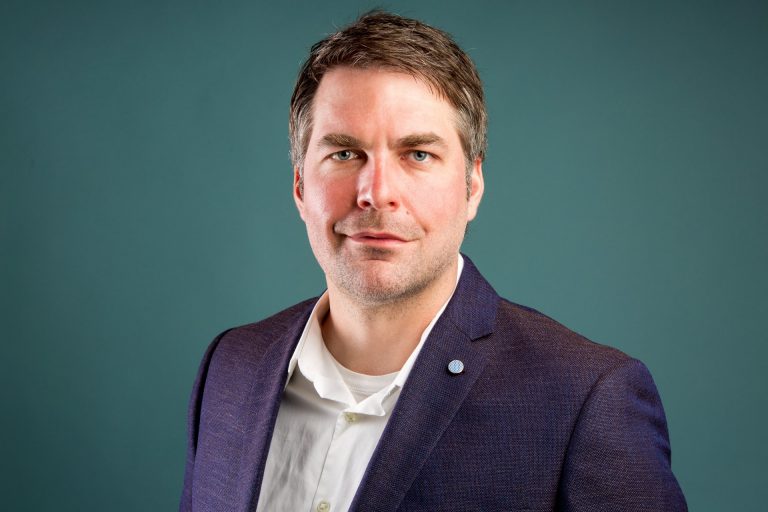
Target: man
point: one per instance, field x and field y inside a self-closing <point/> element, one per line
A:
<point x="409" y="384"/>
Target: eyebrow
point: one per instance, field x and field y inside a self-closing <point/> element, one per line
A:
<point x="341" y="140"/>
<point x="421" y="139"/>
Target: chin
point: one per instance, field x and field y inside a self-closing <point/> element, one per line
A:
<point x="378" y="289"/>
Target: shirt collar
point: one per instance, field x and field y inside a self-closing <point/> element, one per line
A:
<point x="317" y="364"/>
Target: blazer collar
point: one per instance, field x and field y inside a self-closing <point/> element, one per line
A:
<point x="473" y="306"/>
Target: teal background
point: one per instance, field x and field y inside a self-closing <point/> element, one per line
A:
<point x="145" y="206"/>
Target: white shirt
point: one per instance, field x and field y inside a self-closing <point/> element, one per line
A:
<point x="328" y="425"/>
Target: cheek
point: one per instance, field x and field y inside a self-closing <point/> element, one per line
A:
<point x="441" y="203"/>
<point x="325" y="202"/>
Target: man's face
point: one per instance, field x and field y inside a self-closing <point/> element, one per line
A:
<point x="384" y="192"/>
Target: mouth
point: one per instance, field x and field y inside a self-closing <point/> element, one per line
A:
<point x="377" y="238"/>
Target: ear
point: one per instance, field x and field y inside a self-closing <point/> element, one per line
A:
<point x="298" y="191"/>
<point x="476" y="187"/>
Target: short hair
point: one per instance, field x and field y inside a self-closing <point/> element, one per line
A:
<point x="380" y="39"/>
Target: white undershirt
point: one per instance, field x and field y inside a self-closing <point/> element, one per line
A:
<point x="329" y="423"/>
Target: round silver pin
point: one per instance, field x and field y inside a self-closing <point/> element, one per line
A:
<point x="456" y="367"/>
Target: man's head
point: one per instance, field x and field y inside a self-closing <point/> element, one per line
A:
<point x="387" y="174"/>
<point x="383" y="40"/>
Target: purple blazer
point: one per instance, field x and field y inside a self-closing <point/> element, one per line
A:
<point x="541" y="419"/>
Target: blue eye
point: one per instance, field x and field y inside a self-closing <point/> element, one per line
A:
<point x="343" y="155"/>
<point x="420" y="156"/>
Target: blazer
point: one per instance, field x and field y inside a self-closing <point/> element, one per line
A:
<point x="540" y="419"/>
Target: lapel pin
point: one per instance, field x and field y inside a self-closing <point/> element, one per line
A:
<point x="456" y="367"/>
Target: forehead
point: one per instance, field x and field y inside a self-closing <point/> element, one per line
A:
<point x="374" y="101"/>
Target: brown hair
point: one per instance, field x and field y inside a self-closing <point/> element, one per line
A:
<point x="385" y="40"/>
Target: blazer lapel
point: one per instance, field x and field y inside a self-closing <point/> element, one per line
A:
<point x="432" y="395"/>
<point x="270" y="376"/>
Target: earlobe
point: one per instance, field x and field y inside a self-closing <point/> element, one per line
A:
<point x="298" y="191"/>
<point x="476" y="188"/>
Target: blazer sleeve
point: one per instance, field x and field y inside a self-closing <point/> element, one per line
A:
<point x="618" y="457"/>
<point x="193" y="423"/>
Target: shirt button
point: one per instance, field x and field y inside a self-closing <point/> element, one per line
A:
<point x="350" y="417"/>
<point x="323" y="506"/>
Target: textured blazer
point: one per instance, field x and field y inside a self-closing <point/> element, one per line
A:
<point x="541" y="419"/>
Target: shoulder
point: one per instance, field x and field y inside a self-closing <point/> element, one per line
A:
<point x="551" y="353"/>
<point x="259" y="334"/>
<point x="240" y="348"/>
<point x="232" y="359"/>
<point x="541" y="334"/>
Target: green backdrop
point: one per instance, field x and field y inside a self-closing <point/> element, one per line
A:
<point x="145" y="205"/>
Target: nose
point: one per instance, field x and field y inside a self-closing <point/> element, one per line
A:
<point x="378" y="185"/>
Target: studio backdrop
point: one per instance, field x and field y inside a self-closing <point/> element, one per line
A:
<point x="145" y="206"/>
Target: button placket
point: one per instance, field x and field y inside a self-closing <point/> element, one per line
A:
<point x="331" y="463"/>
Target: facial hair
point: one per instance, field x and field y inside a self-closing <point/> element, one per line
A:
<point x="369" y="281"/>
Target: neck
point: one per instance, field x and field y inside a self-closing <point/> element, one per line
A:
<point x="376" y="339"/>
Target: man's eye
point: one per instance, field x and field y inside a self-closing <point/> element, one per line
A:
<point x="344" y="155"/>
<point x="420" y="156"/>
